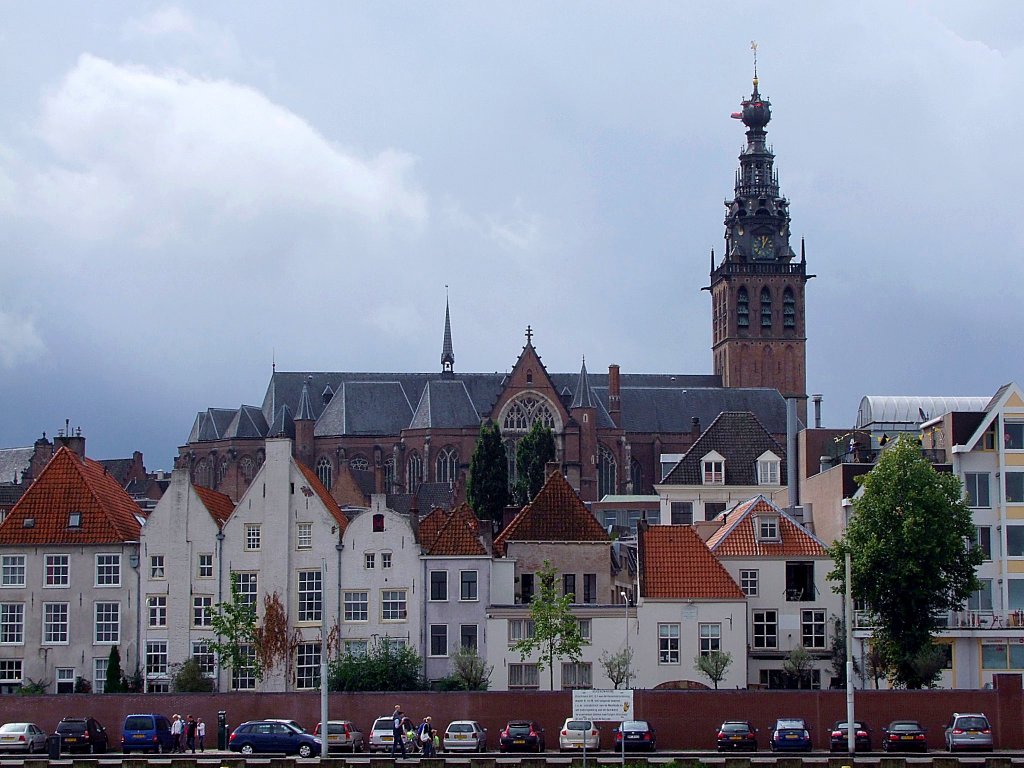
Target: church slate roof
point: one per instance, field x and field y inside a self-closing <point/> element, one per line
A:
<point x="366" y="408"/>
<point x="428" y="496"/>
<point x="676" y="565"/>
<point x="248" y="422"/>
<point x="555" y="514"/>
<point x="284" y="425"/>
<point x="740" y="438"/>
<point x="211" y="424"/>
<point x="72" y="484"/>
<point x="737" y="537"/>
<point x="14" y="462"/>
<point x="583" y="397"/>
<point x="305" y="411"/>
<point x="445" y="403"/>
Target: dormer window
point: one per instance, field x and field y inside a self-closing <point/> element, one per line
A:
<point x="75" y="520"/>
<point x="712" y="468"/>
<point x="767" y="528"/>
<point x="768" y="469"/>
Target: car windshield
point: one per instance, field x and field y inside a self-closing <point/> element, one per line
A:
<point x="789" y="724"/>
<point x="842" y="726"/>
<point x="518" y="729"/>
<point x="460" y="728"/>
<point x="382" y="724"/>
<point x="578" y="725"/>
<point x="904" y="726"/>
<point x="735" y="727"/>
<point x="73" y="726"/>
<point x="138" y="723"/>
<point x="977" y="723"/>
<point x="634" y="725"/>
<point x="335" y="727"/>
<point x="13" y="727"/>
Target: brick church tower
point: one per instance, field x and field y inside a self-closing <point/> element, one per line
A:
<point x="759" y="335"/>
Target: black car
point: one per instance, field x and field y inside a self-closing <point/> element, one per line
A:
<point x="904" y="735"/>
<point x="736" y="734"/>
<point x="82" y="734"/>
<point x="273" y="736"/>
<point x="521" y="736"/>
<point x="639" y="735"/>
<point x="838" y="738"/>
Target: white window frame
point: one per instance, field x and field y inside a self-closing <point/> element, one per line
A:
<point x="520" y="629"/>
<point x="430" y="648"/>
<point x="357" y="605"/>
<point x="385" y="560"/>
<point x="394" y="605"/>
<point x="768" y="528"/>
<point x="577" y="675"/>
<point x="99" y="674"/>
<point x="712" y="469"/>
<point x="56" y="623"/>
<point x="12" y="623"/>
<point x="304" y="536"/>
<point x="107" y="570"/>
<point x="243" y="678"/>
<point x="769" y="467"/>
<point x="749" y="581"/>
<point x="205" y="658"/>
<point x="253" y="537"/>
<point x="202" y="611"/>
<point x="444" y="597"/>
<point x="248" y="583"/>
<point x="156" y="609"/>
<point x="768" y="618"/>
<point x="12" y="570"/>
<point x="156" y="659"/>
<point x="11" y="671"/>
<point x="307" y="666"/>
<point x="523" y="676"/>
<point x="709" y="636"/>
<point x="106" y="623"/>
<point x="57" y="571"/>
<point x="813" y="628"/>
<point x="668" y="643"/>
<point x="369" y="561"/>
<point x="157" y="567"/>
<point x="204" y="565"/>
<point x="469" y="591"/>
<point x="310" y="590"/>
<point x="64" y="680"/>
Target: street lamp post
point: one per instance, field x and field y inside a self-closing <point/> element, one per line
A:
<point x="625" y="602"/>
<point x="851" y="736"/>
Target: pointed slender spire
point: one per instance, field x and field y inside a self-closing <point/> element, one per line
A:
<point x="305" y="412"/>
<point x="582" y="397"/>
<point x="447" y="350"/>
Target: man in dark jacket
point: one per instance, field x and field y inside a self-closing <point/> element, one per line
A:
<point x="398" y="738"/>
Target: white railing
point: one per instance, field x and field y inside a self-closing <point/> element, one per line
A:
<point x="982" y="620"/>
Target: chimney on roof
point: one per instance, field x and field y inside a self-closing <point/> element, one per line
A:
<point x="72" y="440"/>
<point x="817" y="410"/>
<point x="695" y="426"/>
<point x="551" y="467"/>
<point x="614" y="402"/>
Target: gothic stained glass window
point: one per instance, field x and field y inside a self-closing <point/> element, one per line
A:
<point x="415" y="472"/>
<point x="524" y="411"/>
<point x="447" y="465"/>
<point x="606" y="472"/>
<point x="323" y="471"/>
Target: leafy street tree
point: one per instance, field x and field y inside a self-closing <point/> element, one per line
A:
<point x="487" y="485"/>
<point x="713" y="665"/>
<point x="237" y="635"/>
<point x="114" y="674"/>
<point x="839" y="654"/>
<point x="618" y="666"/>
<point x="533" y="453"/>
<point x="556" y="632"/>
<point x="910" y="544"/>
<point x="384" y="667"/>
<point x="470" y="670"/>
<point x="189" y="678"/>
<point x="798" y="666"/>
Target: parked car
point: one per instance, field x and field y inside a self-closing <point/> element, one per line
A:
<point x="904" y="735"/>
<point x="342" y="736"/>
<point x="639" y="735"/>
<point x="968" y="730"/>
<point x="790" y="733"/>
<point x="146" y="733"/>
<point x="839" y="738"/>
<point x="22" y="737"/>
<point x="82" y="734"/>
<point x="521" y="736"/>
<point x="273" y="736"/>
<point x="466" y="735"/>
<point x="736" y="734"/>
<point x="381" y="734"/>
<point x="579" y="734"/>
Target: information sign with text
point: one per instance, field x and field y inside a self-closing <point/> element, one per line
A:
<point x="603" y="706"/>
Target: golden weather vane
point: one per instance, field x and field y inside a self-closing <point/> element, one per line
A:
<point x="753" y="47"/>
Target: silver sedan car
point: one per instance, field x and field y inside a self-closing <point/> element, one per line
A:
<point x="22" y="737"/>
<point x="464" y="736"/>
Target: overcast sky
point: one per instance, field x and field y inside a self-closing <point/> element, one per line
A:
<point x="189" y="191"/>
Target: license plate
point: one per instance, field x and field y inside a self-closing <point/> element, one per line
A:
<point x="792" y="736"/>
<point x="460" y="735"/>
<point x="519" y="741"/>
<point x="974" y="733"/>
<point x="737" y="738"/>
<point x="8" y="738"/>
<point x="637" y="736"/>
<point x="907" y="738"/>
<point x="387" y="738"/>
<point x="71" y="739"/>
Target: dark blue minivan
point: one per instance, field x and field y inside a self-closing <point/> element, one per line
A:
<point x="146" y="733"/>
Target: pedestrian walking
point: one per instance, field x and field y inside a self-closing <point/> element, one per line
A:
<point x="176" y="728"/>
<point x="201" y="734"/>
<point x="397" y="734"/>
<point x="190" y="733"/>
<point x="425" y="734"/>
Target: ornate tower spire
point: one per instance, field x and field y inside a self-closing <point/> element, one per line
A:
<point x="758" y="331"/>
<point x="447" y="351"/>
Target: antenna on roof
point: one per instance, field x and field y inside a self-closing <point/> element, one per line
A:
<point x="273" y="360"/>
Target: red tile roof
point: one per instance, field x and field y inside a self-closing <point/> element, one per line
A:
<point x="737" y="537"/>
<point x="72" y="484"/>
<point x="217" y="504"/>
<point x="318" y="488"/>
<point x="431" y="525"/>
<point x="676" y="565"/>
<point x="459" y="536"/>
<point x="555" y="514"/>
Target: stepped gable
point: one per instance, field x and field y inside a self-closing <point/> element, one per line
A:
<point x="217" y="504"/>
<point x="459" y="536"/>
<point x="738" y="536"/>
<point x="315" y="486"/>
<point x="555" y="514"/>
<point x="738" y="436"/>
<point x="72" y="484"/>
<point x="431" y="525"/>
<point x="676" y="565"/>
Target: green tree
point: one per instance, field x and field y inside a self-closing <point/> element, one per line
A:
<point x="556" y="632"/>
<point x="618" y="666"/>
<point x="487" y="485"/>
<point x="713" y="665"/>
<point x="799" y="666"/>
<point x="114" y="673"/>
<point x="839" y="654"/>
<point x="912" y="558"/>
<point x="533" y="453"/>
<point x="237" y="634"/>
<point x="189" y="678"/>
<point x="384" y="667"/>
<point x="470" y="670"/>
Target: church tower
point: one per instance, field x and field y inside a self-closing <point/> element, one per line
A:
<point x="759" y="335"/>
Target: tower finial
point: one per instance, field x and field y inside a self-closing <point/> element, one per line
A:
<point x="447" y="350"/>
<point x="529" y="335"/>
<point x="753" y="47"/>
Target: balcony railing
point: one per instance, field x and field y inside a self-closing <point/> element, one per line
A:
<point x="980" y="620"/>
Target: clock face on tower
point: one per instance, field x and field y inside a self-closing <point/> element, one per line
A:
<point x="762" y="246"/>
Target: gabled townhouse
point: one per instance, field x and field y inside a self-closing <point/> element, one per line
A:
<point x="69" y="578"/>
<point x="688" y="606"/>
<point x="382" y="592"/>
<point x="558" y="528"/>
<point x="457" y="575"/>
<point x="282" y="547"/>
<point x="181" y="579"/>
<point x="733" y="459"/>
<point x="782" y="570"/>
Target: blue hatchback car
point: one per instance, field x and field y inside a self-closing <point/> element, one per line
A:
<point x="790" y="734"/>
<point x="146" y="733"/>
<point x="273" y="736"/>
